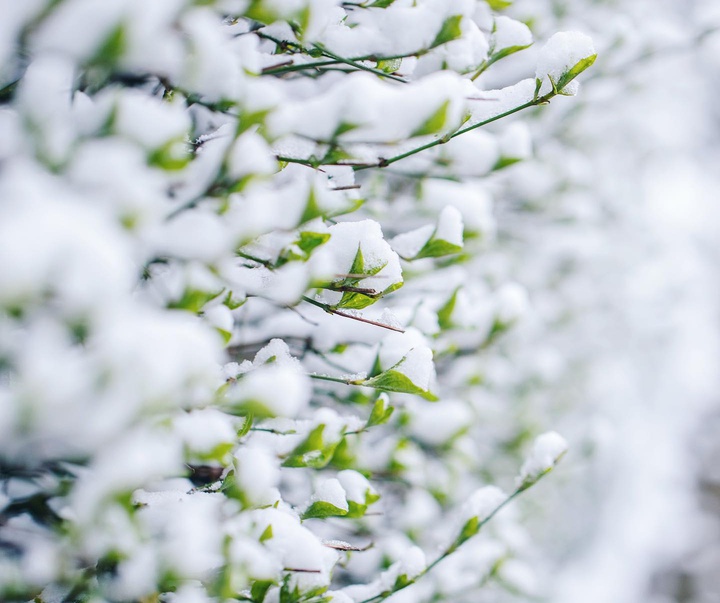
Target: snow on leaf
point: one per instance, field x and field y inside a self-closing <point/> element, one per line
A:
<point x="562" y="59"/>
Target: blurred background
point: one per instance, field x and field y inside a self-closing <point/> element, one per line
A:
<point x="629" y="226"/>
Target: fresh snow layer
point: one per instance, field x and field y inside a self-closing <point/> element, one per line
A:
<point x="561" y="53"/>
<point x="546" y="451"/>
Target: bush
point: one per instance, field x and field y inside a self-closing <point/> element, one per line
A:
<point x="247" y="312"/>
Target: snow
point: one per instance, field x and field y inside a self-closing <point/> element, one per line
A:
<point x="413" y="563"/>
<point x="378" y="111"/>
<point x="516" y="142"/>
<point x="257" y="474"/>
<point x="401" y="29"/>
<point x="418" y="367"/>
<point x="482" y="503"/>
<point x="497" y="102"/>
<point x="472" y="201"/>
<point x="332" y="492"/>
<point x="509" y="33"/>
<point x="437" y="423"/>
<point x="450" y="226"/>
<point x="129" y="200"/>
<point x="408" y="244"/>
<point x="337" y="255"/>
<point x="561" y="53"/>
<point x="395" y="346"/>
<point x="211" y="69"/>
<point x="296" y="546"/>
<point x="512" y="302"/>
<point x="203" y="430"/>
<point x="281" y="389"/>
<point x="475" y="153"/>
<point x="546" y="451"/>
<point x="251" y="155"/>
<point x="65" y="31"/>
<point x="355" y="485"/>
<point x="149" y="121"/>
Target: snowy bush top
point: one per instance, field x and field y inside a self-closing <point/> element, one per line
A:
<point x="244" y="312"/>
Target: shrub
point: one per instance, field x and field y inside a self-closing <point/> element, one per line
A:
<point x="246" y="312"/>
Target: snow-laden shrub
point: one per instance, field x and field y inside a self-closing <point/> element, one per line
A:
<point x="246" y="313"/>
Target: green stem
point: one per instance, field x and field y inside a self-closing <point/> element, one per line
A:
<point x="360" y="66"/>
<point x="298" y="48"/>
<point x="334" y="379"/>
<point x="297" y="67"/>
<point x="385" y="162"/>
<point x="451" y="549"/>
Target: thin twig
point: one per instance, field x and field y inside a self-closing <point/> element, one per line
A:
<point x="330" y="310"/>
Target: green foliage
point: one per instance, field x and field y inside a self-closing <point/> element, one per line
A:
<point x="436" y="248"/>
<point x="321" y="509"/>
<point x="193" y="300"/>
<point x="312" y="452"/>
<point x="434" y="123"/>
<point x="393" y="380"/>
<point x="499" y="4"/>
<point x="449" y="31"/>
<point x="574" y="71"/>
<point x="445" y="313"/>
<point x="381" y="412"/>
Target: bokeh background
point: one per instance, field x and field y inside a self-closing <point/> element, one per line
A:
<point x="633" y="234"/>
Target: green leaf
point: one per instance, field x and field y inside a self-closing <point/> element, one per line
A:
<point x="248" y="119"/>
<point x="471" y="527"/>
<point x="389" y="65"/>
<point x="435" y="122"/>
<point x="257" y="11"/>
<point x="312" y="209"/>
<point x="233" y="302"/>
<point x="320" y="509"/>
<point x="402" y="581"/>
<point x="334" y="154"/>
<point x="225" y="335"/>
<point x="343" y="128"/>
<point x="306" y="243"/>
<point x="193" y="300"/>
<point x="173" y="155"/>
<point x="436" y="248"/>
<point x="499" y="4"/>
<point x="449" y="31"/>
<point x="267" y="533"/>
<point x="247" y="424"/>
<point x="395" y="381"/>
<point x="381" y="412"/>
<point x="505" y="52"/>
<point x="576" y="70"/>
<point x="504" y="162"/>
<point x="259" y="589"/>
<point x="355" y="510"/>
<point x="358" y="265"/>
<point x="310" y="240"/>
<point x="343" y="457"/>
<point x="312" y="452"/>
<point x="112" y="47"/>
<point x="352" y="299"/>
<point x="445" y="313"/>
<point x="219" y="453"/>
<point x="242" y="407"/>
<point x="302" y="21"/>
<point x="380" y="4"/>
